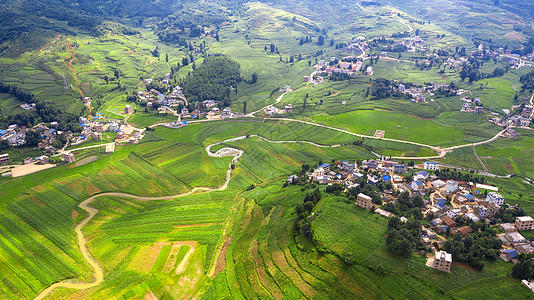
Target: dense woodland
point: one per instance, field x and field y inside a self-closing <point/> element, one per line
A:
<point x="214" y="79"/>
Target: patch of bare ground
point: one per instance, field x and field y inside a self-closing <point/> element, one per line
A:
<point x="221" y="260"/>
<point x="183" y="264"/>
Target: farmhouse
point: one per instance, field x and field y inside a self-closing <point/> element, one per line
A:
<point x="128" y="110"/>
<point x="69" y="157"/>
<point x="431" y="165"/>
<point x="4" y="159"/>
<point x="524" y="223"/>
<point x="495" y="198"/>
<point x="364" y="201"/>
<point x="442" y="261"/>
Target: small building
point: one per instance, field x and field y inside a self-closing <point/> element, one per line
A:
<point x="288" y="108"/>
<point x="373" y="180"/>
<point x="511" y="253"/>
<point x="417" y="185"/>
<point x="428" y="165"/>
<point x="464" y="230"/>
<point x="448" y="222"/>
<point x="442" y="261"/>
<point x="4" y="159"/>
<point x="478" y="110"/>
<point x="472" y="217"/>
<point x="438" y="183"/>
<point x="364" y="201"/>
<point x="451" y="186"/>
<point x="43" y="159"/>
<point x="69" y="157"/>
<point x="524" y="223"/>
<point x="128" y="110"/>
<point x="480" y="211"/>
<point x="423" y="175"/>
<point x="495" y="198"/>
<point x="461" y="199"/>
<point x="399" y="169"/>
<point x="507" y="227"/>
<point x="514" y="237"/>
<point x="453" y="213"/>
<point x="326" y="167"/>
<point x="348" y="166"/>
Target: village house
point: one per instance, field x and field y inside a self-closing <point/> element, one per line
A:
<point x="128" y="110"/>
<point x="464" y="230"/>
<point x="451" y="186"/>
<point x="364" y="201"/>
<point x="524" y="223"/>
<point x="4" y="159"/>
<point x="442" y="261"/>
<point x="430" y="165"/>
<point x="507" y="227"/>
<point x="69" y="157"/>
<point x="495" y="198"/>
<point x="448" y="222"/>
<point x="326" y="167"/>
<point x="43" y="159"/>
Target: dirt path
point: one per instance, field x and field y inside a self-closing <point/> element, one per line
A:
<point x="85" y="205"/>
<point x="479" y="160"/>
<point x="42" y="49"/>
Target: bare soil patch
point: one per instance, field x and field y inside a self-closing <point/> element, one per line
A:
<point x="221" y="260"/>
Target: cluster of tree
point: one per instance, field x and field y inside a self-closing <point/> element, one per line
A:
<point x="191" y="19"/>
<point x="507" y="214"/>
<point x="212" y="80"/>
<point x="447" y="173"/>
<point x="19" y="93"/>
<point x="474" y="248"/>
<point x="340" y="45"/>
<point x="528" y="81"/>
<point x="381" y="88"/>
<point x="339" y="77"/>
<point x="525" y="268"/>
<point x="306" y="39"/>
<point x="366" y="189"/>
<point x="157" y="51"/>
<point x="303" y="222"/>
<point x="407" y="206"/>
<point x="272" y="48"/>
<point x="403" y="34"/>
<point x="403" y="238"/>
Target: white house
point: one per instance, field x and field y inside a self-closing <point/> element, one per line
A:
<point x="428" y="165"/>
<point x="495" y="198"/>
<point x="453" y="213"/>
<point x="451" y="186"/>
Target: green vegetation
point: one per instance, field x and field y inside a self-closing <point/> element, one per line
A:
<point x="259" y="237"/>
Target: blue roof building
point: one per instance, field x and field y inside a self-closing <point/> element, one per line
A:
<point x="386" y="178"/>
<point x="511" y="253"/>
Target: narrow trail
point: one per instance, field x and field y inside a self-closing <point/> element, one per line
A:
<point x="70" y="67"/>
<point x="85" y="205"/>
<point x="42" y="49"/>
<point x="479" y="160"/>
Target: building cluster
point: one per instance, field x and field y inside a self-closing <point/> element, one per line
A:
<point x="472" y="105"/>
<point x="14" y="135"/>
<point x="347" y="65"/>
<point x="424" y="94"/>
<point x="520" y="119"/>
<point x="175" y="98"/>
<point x="444" y="202"/>
<point x="411" y="44"/>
